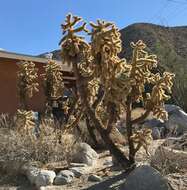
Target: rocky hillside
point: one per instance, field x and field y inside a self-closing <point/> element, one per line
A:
<point x="169" y="43"/>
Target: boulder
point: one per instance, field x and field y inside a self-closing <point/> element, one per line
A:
<point x="156" y="134"/>
<point x="145" y="178"/>
<point x="151" y="123"/>
<point x="77" y="164"/>
<point x="78" y="171"/>
<point x="51" y="187"/>
<point x="64" y="177"/>
<point x="44" y="178"/>
<point x="108" y="163"/>
<point x="177" y="121"/>
<point x="157" y="128"/>
<point x="176" y="124"/>
<point x="85" y="154"/>
<point x="94" y="178"/>
<point x="170" y="108"/>
<point x="32" y="173"/>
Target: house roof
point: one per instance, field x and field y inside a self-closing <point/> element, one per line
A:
<point x="23" y="57"/>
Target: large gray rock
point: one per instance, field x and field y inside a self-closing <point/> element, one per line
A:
<point x="51" y="187"/>
<point x="153" y="123"/>
<point x="64" y="177"/>
<point x="145" y="178"/>
<point x="44" y="178"/>
<point x="32" y="173"/>
<point x="78" y="171"/>
<point x="77" y="165"/>
<point x="156" y="126"/>
<point x="94" y="178"/>
<point x="171" y="108"/>
<point x="156" y="134"/>
<point x="85" y="154"/>
<point x="175" y="125"/>
<point x="177" y="121"/>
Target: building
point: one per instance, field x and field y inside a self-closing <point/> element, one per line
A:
<point x="9" y="101"/>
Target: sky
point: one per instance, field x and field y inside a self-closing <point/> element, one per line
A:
<point x="33" y="26"/>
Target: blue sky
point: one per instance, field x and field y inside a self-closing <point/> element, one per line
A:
<point x="33" y="26"/>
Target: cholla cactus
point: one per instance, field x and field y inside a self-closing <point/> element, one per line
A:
<point x="158" y="95"/>
<point x="24" y="121"/>
<point x="108" y="85"/>
<point x="27" y="81"/>
<point x="53" y="81"/>
<point x="71" y="43"/>
<point x="142" y="138"/>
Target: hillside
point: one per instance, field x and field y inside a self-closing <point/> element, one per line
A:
<point x="168" y="43"/>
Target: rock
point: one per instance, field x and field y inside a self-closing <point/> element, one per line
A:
<point x="171" y="108"/>
<point x="78" y="171"/>
<point x="94" y="178"/>
<point x="157" y="128"/>
<point x="156" y="133"/>
<point x="44" y="178"/>
<point x="51" y="187"/>
<point x="145" y="178"/>
<point x="64" y="177"/>
<point x="108" y="163"/>
<point x="85" y="154"/>
<point x="169" y="160"/>
<point x="77" y="165"/>
<point x="151" y="123"/>
<point x="32" y="173"/>
<point x="175" y="125"/>
<point x="177" y="121"/>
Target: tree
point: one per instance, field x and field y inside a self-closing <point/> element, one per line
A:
<point x="107" y="85"/>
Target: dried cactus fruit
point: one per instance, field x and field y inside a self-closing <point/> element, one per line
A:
<point x="27" y="81"/>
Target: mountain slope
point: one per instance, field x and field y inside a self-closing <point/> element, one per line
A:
<point x="168" y="43"/>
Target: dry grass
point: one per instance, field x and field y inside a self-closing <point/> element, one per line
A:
<point x="168" y="160"/>
<point x="17" y="149"/>
<point x="6" y="121"/>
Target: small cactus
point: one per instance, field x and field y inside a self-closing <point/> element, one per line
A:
<point x="142" y="138"/>
<point x="53" y="81"/>
<point x="26" y="82"/>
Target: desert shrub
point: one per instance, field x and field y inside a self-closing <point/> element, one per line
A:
<point x="6" y="121"/>
<point x="18" y="148"/>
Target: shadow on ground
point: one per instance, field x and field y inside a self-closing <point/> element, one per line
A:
<point x="112" y="183"/>
<point x="13" y="182"/>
